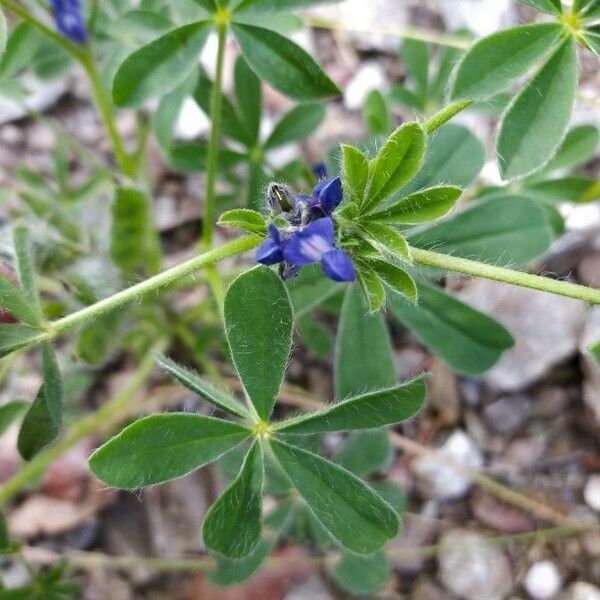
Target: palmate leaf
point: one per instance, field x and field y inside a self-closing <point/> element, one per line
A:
<point x="285" y="65"/>
<point x="397" y="279"/>
<point x="553" y="7"/>
<point x="368" y="411"/>
<point x="158" y="448"/>
<point x="353" y="514"/>
<point x="259" y="319"/>
<point x="232" y="526"/>
<point x="497" y="60"/>
<point x="468" y="340"/>
<point x="387" y="239"/>
<point x="536" y="121"/>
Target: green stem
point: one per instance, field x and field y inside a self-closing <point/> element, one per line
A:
<point x="97" y="420"/>
<point x="444" y="115"/>
<point x="153" y="284"/>
<point x="518" y="278"/>
<point x="212" y="161"/>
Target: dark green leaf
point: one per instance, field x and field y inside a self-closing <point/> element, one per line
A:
<point x="286" y="66"/>
<point x="129" y="230"/>
<point x="26" y="267"/>
<point x="243" y="218"/>
<point x="97" y="337"/>
<point x="495" y="61"/>
<point x="554" y="7"/>
<point x="163" y="447"/>
<point x="415" y="55"/>
<point x="535" y="123"/>
<point x="366" y="452"/>
<point x="220" y="398"/>
<point x="208" y="5"/>
<point x="376" y="114"/>
<point x="395" y="165"/>
<point x="368" y="411"/>
<point x="420" y="207"/>
<point x="362" y="575"/>
<point x="9" y="413"/>
<point x="347" y="508"/>
<point x="310" y="289"/>
<point x="249" y="98"/>
<point x="503" y="229"/>
<point x="356" y="172"/>
<point x="396" y="278"/>
<point x="258" y="320"/>
<point x="578" y="147"/>
<point x="296" y="125"/>
<point x="190" y="157"/>
<point x="468" y="340"/>
<point x="232" y="526"/>
<point x="13" y="300"/>
<point x="14" y="337"/>
<point x="43" y="420"/>
<point x="159" y="67"/>
<point x="591" y="37"/>
<point x="372" y="287"/>
<point x="393" y="494"/>
<point x="316" y="337"/>
<point x="5" y="542"/>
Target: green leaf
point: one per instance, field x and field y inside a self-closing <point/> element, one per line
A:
<point x="13" y="300"/>
<point x="5" y="542"/>
<point x="368" y="411"/>
<point x="468" y="340"/>
<point x="577" y="148"/>
<point x="356" y="172"/>
<point x="232" y="526"/>
<point x="159" y="67"/>
<point x="9" y="412"/>
<point x="595" y="350"/>
<point x="420" y="207"/>
<point x="43" y="420"/>
<point x="536" y="121"/>
<point x="310" y="289"/>
<point x="503" y="229"/>
<point x="316" y="337"/>
<point x="277" y="5"/>
<point x="14" y="337"/>
<point x="244" y="218"/>
<point x="362" y="575"/>
<point x="566" y="189"/>
<point x="376" y="114"/>
<point x="220" y="398"/>
<point x="372" y="287"/>
<point x="396" y="278"/>
<point x="395" y="165"/>
<point x="296" y="125"/>
<point x="286" y="66"/>
<point x="415" y="55"/>
<point x="208" y="5"/>
<point x="591" y="37"/>
<point x="163" y="447"/>
<point x="387" y="239"/>
<point x="3" y="32"/>
<point x="25" y="267"/>
<point x="259" y="320"/>
<point x="587" y="9"/>
<point x="22" y="44"/>
<point x="249" y="98"/>
<point x="190" y="157"/>
<point x="554" y="7"/>
<point x="494" y="62"/>
<point x="346" y="507"/>
<point x="129" y="229"/>
<point x="454" y="157"/>
<point x="366" y="452"/>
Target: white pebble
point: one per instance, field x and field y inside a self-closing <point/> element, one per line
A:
<point x="591" y="492"/>
<point x="543" y="581"/>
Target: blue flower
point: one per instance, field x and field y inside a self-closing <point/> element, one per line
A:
<point x="327" y="196"/>
<point x="69" y="19"/>
<point x="320" y="170"/>
<point x="270" y="252"/>
<point x="316" y="244"/>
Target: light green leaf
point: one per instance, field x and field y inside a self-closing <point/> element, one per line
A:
<point x="536" y="121"/>
<point x="14" y="337"/>
<point x="503" y="229"/>
<point x="296" y="125"/>
<point x="396" y="278"/>
<point x="356" y="172"/>
<point x="387" y="238"/>
<point x="129" y="229"/>
<point x="577" y="148"/>
<point x="395" y="165"/>
<point x="25" y="267"/>
<point x="159" y="67"/>
<point x="3" y="32"/>
<point x="13" y="300"/>
<point x="286" y="66"/>
<point x="269" y="6"/>
<point x="9" y="412"/>
<point x="362" y="575"/>
<point x="372" y="287"/>
<point x="258" y="321"/>
<point x="376" y="114"/>
<point x="244" y="218"/>
<point x="366" y="452"/>
<point x="468" y="340"/>
<point x="368" y="411"/>
<point x="566" y="189"/>
<point x="554" y="7"/>
<point x="454" y="157"/>
<point x="163" y="447"/>
<point x="208" y="5"/>
<point x="347" y="508"/>
<point x="415" y="55"/>
<point x="420" y="207"/>
<point x="232" y="526"/>
<point x="497" y="60"/>
<point x="591" y="37"/>
<point x="220" y="398"/>
<point x="43" y="420"/>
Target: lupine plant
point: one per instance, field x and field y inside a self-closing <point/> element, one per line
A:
<point x="364" y="235"/>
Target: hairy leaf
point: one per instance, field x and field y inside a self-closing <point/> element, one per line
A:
<point x="356" y="172"/>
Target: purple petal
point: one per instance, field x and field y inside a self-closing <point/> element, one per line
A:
<point x="330" y="195"/>
<point x="274" y="233"/>
<point x="269" y="253"/>
<point x="310" y="244"/>
<point x="338" y="266"/>
<point x="320" y="170"/>
<point x="69" y="19"/>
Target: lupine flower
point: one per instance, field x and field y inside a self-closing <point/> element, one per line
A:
<point x="270" y="252"/>
<point x="69" y="19"/>
<point x="320" y="170"/>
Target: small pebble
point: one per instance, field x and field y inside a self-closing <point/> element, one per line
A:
<point x="591" y="492"/>
<point x="581" y="590"/>
<point x="543" y="580"/>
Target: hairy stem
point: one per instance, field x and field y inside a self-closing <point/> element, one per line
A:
<point x="80" y="430"/>
<point x="518" y="278"/>
<point x="153" y="284"/>
<point x="444" y="115"/>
